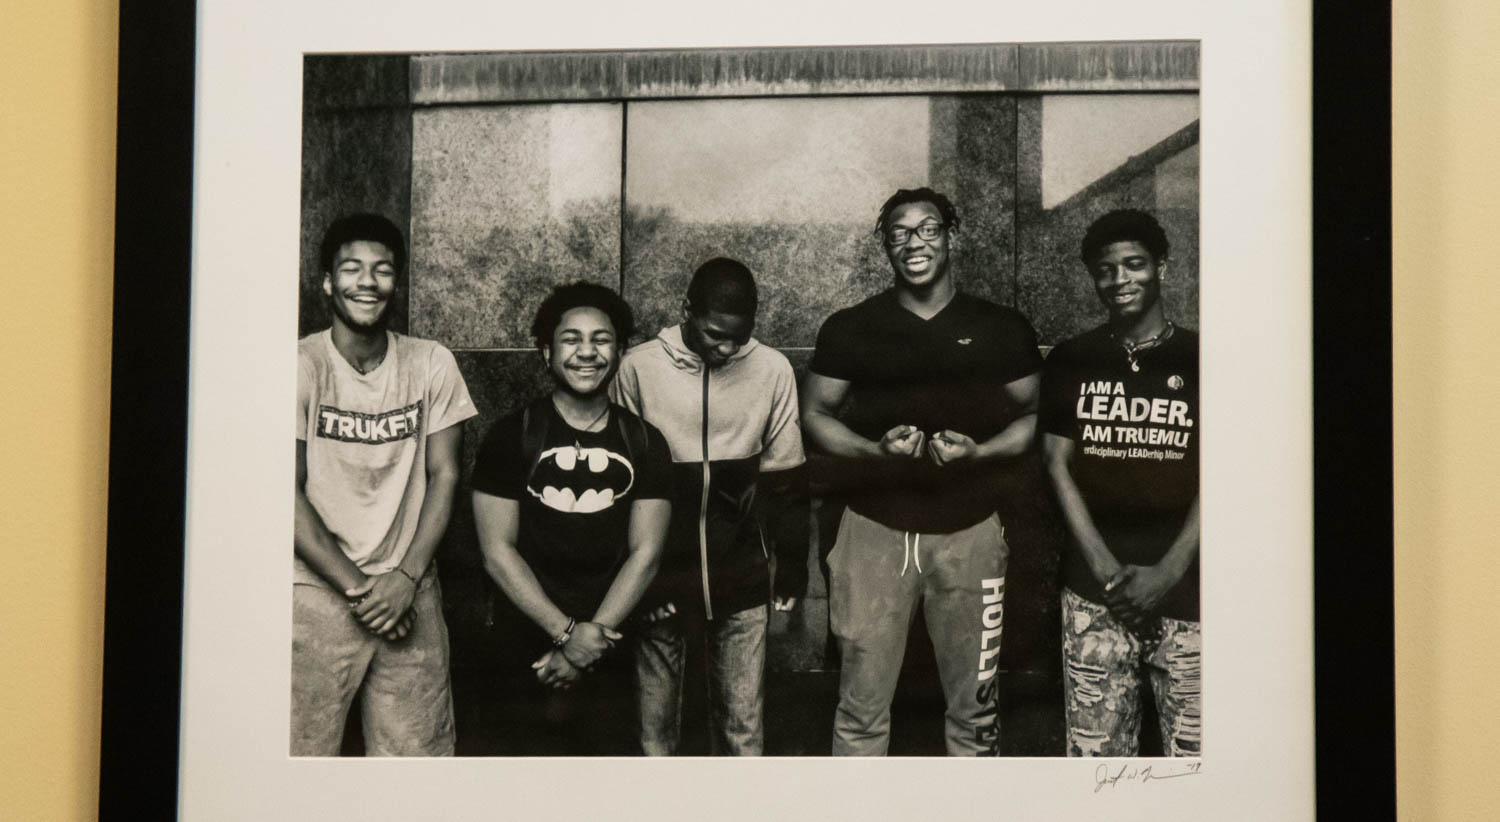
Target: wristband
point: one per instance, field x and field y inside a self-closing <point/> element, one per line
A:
<point x="408" y="576"/>
<point x="567" y="634"/>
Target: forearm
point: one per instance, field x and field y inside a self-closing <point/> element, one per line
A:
<point x="1012" y="441"/>
<point x="432" y="521"/>
<point x="1080" y="524"/>
<point x="627" y="588"/>
<point x="834" y="437"/>
<point x="648" y="532"/>
<point x="315" y="545"/>
<point x="519" y="584"/>
<point x="1184" y="549"/>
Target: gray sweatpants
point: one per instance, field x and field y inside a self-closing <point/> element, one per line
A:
<point x="877" y="577"/>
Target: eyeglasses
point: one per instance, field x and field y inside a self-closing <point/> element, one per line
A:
<point x="927" y="232"/>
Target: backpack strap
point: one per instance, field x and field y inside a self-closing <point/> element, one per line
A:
<point x="633" y="431"/>
<point x="534" y="423"/>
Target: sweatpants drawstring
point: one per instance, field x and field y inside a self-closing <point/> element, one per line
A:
<point x="913" y="551"/>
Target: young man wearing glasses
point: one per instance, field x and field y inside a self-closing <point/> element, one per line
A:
<point x="378" y="433"/>
<point x="1120" y="439"/>
<point x="941" y="386"/>
<point x="728" y="407"/>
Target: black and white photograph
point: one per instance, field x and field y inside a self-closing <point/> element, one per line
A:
<point x="748" y="415"/>
<point x="737" y="402"/>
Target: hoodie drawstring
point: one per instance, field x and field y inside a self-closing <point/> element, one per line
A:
<point x="913" y="551"/>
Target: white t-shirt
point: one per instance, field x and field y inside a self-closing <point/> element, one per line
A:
<point x="366" y="438"/>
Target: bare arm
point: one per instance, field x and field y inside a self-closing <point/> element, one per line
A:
<point x="648" y="532"/>
<point x="314" y="544"/>
<point x="1144" y="586"/>
<point x="1013" y="440"/>
<point x="437" y="505"/>
<point x="1017" y="437"/>
<point x="1057" y="453"/>
<point x="498" y="520"/>
<point x="393" y="592"/>
<point x="821" y="397"/>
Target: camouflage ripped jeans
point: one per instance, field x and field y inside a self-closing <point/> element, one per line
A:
<point x="1102" y="663"/>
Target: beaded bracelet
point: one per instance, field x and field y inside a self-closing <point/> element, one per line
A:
<point x="567" y="633"/>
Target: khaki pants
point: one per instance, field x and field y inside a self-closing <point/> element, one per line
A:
<point x="406" y="706"/>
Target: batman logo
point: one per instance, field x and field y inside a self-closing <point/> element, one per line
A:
<point x="580" y="480"/>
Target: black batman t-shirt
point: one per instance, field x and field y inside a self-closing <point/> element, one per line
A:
<point x="575" y="505"/>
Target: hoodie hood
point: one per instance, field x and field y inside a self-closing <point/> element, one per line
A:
<point x="684" y="358"/>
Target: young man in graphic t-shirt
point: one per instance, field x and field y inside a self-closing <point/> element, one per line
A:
<point x="941" y="386"/>
<point x="571" y="502"/>
<point x="727" y="405"/>
<point x="378" y="435"/>
<point x="1119" y="420"/>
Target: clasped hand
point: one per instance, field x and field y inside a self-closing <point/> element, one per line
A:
<point x="942" y="448"/>
<point x="1135" y="591"/>
<point x="382" y="603"/>
<point x="561" y="667"/>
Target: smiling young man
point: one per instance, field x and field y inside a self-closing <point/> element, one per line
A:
<point x="378" y="435"/>
<point x="571" y="503"/>
<point x="728" y="407"/>
<point x="1120" y="440"/>
<point x="941" y="386"/>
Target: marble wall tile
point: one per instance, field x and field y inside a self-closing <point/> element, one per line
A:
<point x="356" y="157"/>
<point x="508" y="201"/>
<point x="983" y="144"/>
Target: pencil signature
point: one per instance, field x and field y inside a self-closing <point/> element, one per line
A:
<point x="1110" y="776"/>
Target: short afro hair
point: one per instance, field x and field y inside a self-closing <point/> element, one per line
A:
<point x="1122" y="226"/>
<point x="355" y="227"/>
<point x="917" y="195"/>
<point x="565" y="298"/>
<point x="725" y="285"/>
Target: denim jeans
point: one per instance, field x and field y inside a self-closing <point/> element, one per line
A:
<point x="1102" y="660"/>
<point x="406" y="704"/>
<point x="736" y="648"/>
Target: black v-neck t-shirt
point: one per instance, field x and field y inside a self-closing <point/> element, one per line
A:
<point x="945" y="372"/>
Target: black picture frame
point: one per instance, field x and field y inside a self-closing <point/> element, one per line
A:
<point x="1353" y="569"/>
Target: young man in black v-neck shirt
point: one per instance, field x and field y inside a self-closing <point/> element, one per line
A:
<point x="1119" y="422"/>
<point x="940" y="386"/>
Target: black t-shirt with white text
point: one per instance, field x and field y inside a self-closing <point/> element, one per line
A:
<point x="575" y="508"/>
<point x="1135" y="457"/>
<point x="945" y="372"/>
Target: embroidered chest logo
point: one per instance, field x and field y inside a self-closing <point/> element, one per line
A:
<point x="370" y="429"/>
<point x="577" y="480"/>
<point x="965" y="340"/>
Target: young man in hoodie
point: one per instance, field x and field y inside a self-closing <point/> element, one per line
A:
<point x="941" y="386"/>
<point x="728" y="407"/>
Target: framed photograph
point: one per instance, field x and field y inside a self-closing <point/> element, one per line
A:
<point x="515" y="151"/>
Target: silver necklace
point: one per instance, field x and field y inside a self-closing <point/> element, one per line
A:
<point x="578" y="448"/>
<point x="1132" y="348"/>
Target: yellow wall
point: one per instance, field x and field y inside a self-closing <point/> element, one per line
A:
<point x="57" y="61"/>
<point x="57" y="123"/>
<point x="1447" y="299"/>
